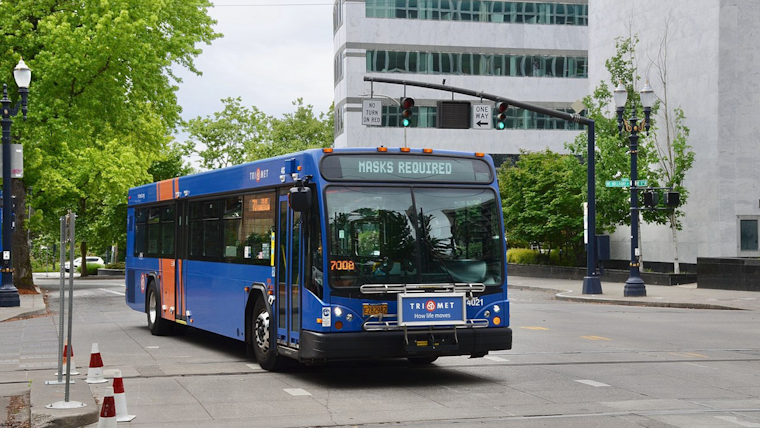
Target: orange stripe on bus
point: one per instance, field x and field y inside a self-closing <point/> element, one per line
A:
<point x="165" y="190"/>
<point x="168" y="286"/>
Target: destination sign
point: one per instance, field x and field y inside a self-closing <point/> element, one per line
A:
<point x="405" y="167"/>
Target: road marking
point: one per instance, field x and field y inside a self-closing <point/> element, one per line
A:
<point x="700" y="365"/>
<point x="151" y="347"/>
<point x="296" y="391"/>
<point x="735" y="420"/>
<point x="254" y="366"/>
<point x="595" y="338"/>
<point x="493" y="358"/>
<point x="114" y="292"/>
<point x="688" y="354"/>
<point x="592" y="383"/>
<point x="535" y="328"/>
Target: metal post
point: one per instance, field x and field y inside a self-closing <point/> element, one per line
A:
<point x="592" y="284"/>
<point x="8" y="292"/>
<point x="634" y="285"/>
<point x="61" y="308"/>
<point x="72" y="217"/>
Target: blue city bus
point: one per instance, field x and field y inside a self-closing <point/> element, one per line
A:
<point x="327" y="254"/>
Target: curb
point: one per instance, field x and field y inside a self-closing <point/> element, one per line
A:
<point x="561" y="295"/>
<point x="42" y="395"/>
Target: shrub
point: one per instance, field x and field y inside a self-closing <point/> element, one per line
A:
<point x="92" y="268"/>
<point x="117" y="265"/>
<point x="522" y="256"/>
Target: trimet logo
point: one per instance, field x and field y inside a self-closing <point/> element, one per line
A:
<point x="431" y="305"/>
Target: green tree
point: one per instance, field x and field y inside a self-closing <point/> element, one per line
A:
<point x="171" y="163"/>
<point x="222" y="140"/>
<point x="102" y="97"/>
<point x="673" y="153"/>
<point x="296" y="131"/>
<point x="612" y="157"/>
<point x="541" y="198"/>
<point x="660" y="161"/>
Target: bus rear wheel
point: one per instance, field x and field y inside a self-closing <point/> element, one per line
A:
<point x="157" y="325"/>
<point x="262" y="336"/>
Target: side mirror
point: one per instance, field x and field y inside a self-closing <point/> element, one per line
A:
<point x="300" y="198"/>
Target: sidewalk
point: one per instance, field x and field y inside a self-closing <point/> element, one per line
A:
<point x="16" y="383"/>
<point x="674" y="296"/>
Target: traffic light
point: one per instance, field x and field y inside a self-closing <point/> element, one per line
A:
<point x="672" y="199"/>
<point x="651" y="199"/>
<point x="406" y="111"/>
<point x="501" y="115"/>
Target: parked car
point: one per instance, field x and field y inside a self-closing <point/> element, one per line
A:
<point x="78" y="262"/>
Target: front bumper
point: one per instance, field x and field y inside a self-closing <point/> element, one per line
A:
<point x="391" y="344"/>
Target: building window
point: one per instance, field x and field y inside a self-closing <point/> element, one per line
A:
<point x="480" y="11"/>
<point x="338" y="66"/>
<point x="476" y="64"/>
<point x="337" y="15"/>
<point x="748" y="234"/>
<point x="517" y="118"/>
<point x="338" y="122"/>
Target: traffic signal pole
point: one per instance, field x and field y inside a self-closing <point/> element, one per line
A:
<point x="591" y="282"/>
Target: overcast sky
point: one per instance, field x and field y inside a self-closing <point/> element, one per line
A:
<point x="272" y="52"/>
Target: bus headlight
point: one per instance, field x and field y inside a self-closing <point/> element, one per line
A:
<point x="496" y="308"/>
<point x="338" y="312"/>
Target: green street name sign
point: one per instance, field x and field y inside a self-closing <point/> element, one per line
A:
<point x="618" y="183"/>
<point x="625" y="183"/>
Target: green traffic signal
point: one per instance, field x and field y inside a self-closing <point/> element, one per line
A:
<point x="406" y="105"/>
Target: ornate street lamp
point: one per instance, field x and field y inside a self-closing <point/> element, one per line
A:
<point x="23" y="75"/>
<point x="634" y="286"/>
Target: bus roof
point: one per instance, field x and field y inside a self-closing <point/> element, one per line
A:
<point x="261" y="173"/>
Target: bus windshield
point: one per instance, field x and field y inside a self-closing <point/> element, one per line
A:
<point x="402" y="235"/>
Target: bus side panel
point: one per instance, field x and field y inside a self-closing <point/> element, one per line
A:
<point x="137" y="275"/>
<point x="216" y="297"/>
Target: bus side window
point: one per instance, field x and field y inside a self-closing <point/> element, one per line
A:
<point x="141" y="216"/>
<point x="257" y="227"/>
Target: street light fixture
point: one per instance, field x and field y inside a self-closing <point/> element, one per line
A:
<point x="23" y="76"/>
<point x="634" y="286"/>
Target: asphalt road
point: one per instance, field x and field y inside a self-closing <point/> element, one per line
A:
<point x="573" y="365"/>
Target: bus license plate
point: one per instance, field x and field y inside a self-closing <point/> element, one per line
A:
<point x="375" y="309"/>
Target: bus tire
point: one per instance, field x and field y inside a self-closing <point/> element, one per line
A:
<point x="422" y="360"/>
<point x="262" y="337"/>
<point x="157" y="325"/>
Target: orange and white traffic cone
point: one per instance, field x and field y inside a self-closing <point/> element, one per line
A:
<point x="108" y="411"/>
<point x="66" y="349"/>
<point x="120" y="397"/>
<point x="95" y="372"/>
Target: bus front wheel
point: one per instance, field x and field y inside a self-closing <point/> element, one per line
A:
<point x="157" y="325"/>
<point x="422" y="360"/>
<point x="263" y="337"/>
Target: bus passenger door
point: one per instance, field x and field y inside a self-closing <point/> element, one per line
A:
<point x="181" y="233"/>
<point x="289" y="275"/>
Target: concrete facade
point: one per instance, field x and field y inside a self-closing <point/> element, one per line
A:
<point x="713" y="75"/>
<point x="357" y="33"/>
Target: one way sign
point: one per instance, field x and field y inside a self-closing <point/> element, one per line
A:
<point x="481" y="116"/>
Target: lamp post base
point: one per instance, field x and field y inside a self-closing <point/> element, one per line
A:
<point x="592" y="285"/>
<point x="634" y="287"/>
<point x="9" y="297"/>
